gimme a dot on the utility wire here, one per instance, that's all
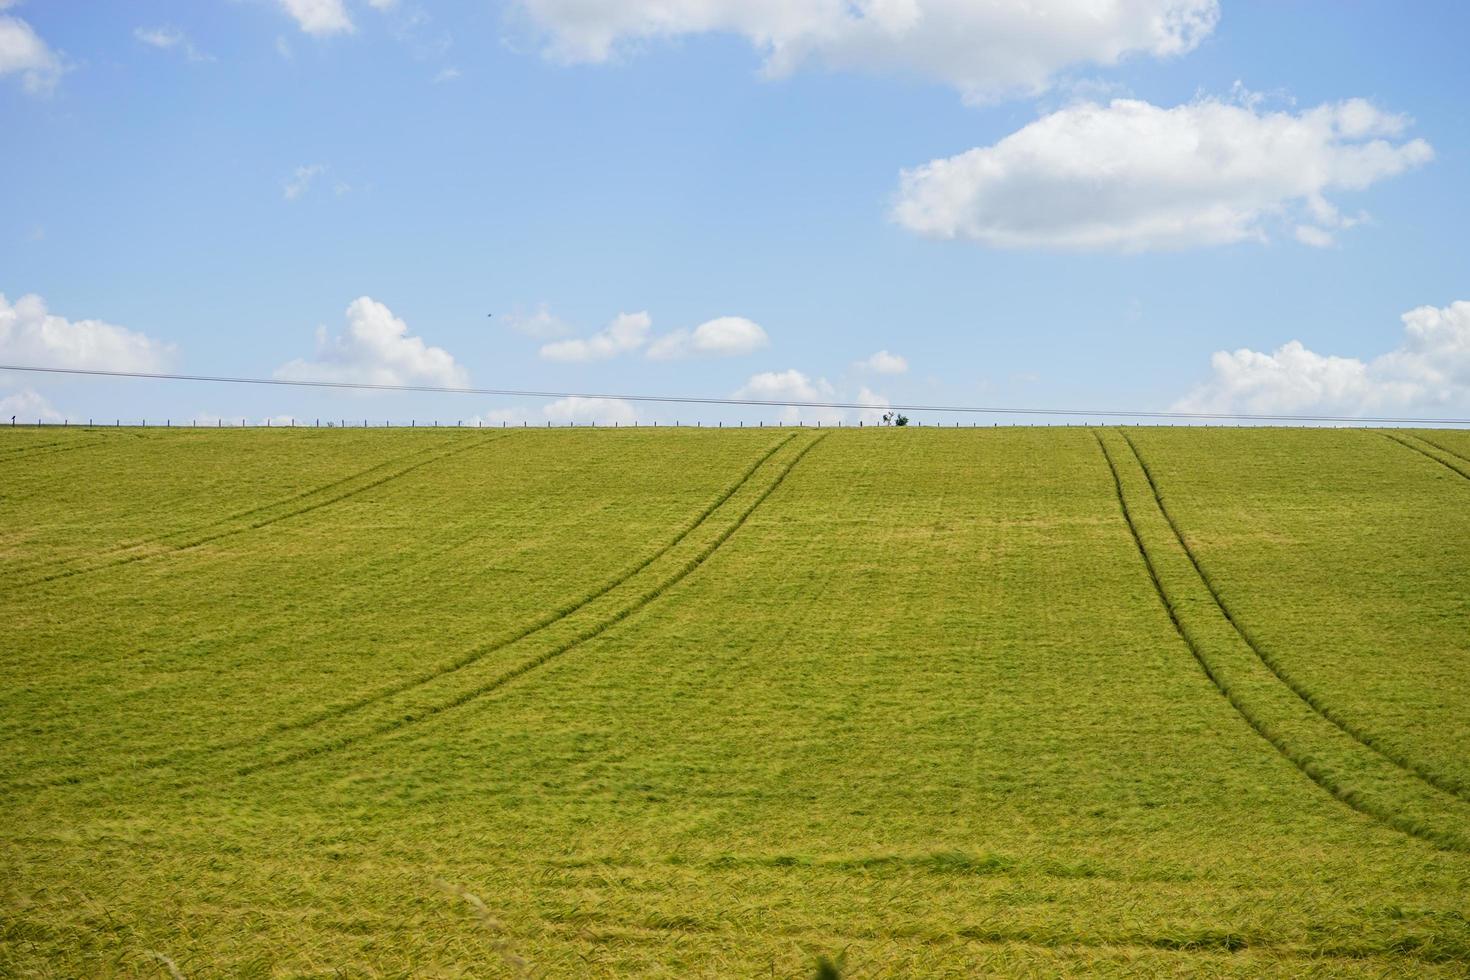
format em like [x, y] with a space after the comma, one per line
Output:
[756, 402]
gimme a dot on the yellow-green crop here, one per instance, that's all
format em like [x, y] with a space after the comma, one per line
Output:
[726, 703]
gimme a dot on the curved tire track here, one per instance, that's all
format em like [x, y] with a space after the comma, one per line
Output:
[136, 543]
[383, 694]
[50, 449]
[592, 631]
[1443, 448]
[1393, 797]
[198, 541]
[1363, 738]
[1452, 467]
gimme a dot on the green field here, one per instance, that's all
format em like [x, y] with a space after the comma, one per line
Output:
[727, 702]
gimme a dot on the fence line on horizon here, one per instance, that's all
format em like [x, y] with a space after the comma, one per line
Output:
[340, 423]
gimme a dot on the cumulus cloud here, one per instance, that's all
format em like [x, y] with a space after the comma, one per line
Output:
[726, 336]
[30, 335]
[1429, 370]
[375, 349]
[1131, 176]
[572, 410]
[983, 49]
[170, 38]
[28, 405]
[884, 363]
[602, 411]
[23, 53]
[541, 324]
[627, 332]
[873, 415]
[319, 17]
[793, 385]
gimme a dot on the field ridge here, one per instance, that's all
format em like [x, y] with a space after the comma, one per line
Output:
[1437, 780]
[1357, 776]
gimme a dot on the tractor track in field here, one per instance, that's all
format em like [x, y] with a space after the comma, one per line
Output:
[22, 450]
[1439, 782]
[197, 541]
[1453, 839]
[592, 631]
[50, 449]
[238, 515]
[1452, 467]
[341, 710]
[1444, 449]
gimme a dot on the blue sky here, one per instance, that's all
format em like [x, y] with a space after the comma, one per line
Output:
[344, 189]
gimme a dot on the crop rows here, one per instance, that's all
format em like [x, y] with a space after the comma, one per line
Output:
[610, 703]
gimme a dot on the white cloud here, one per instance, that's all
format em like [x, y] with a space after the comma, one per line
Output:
[27, 405]
[446, 75]
[166, 38]
[301, 181]
[23, 53]
[603, 411]
[885, 363]
[726, 336]
[320, 17]
[1314, 236]
[793, 385]
[874, 415]
[564, 411]
[983, 49]
[382, 4]
[1430, 369]
[627, 332]
[32, 336]
[542, 324]
[1132, 176]
[375, 349]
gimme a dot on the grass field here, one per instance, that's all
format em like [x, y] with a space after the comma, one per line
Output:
[726, 703]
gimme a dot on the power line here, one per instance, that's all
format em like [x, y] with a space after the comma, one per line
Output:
[747, 402]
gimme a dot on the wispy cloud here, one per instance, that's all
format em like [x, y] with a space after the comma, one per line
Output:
[171, 38]
[301, 181]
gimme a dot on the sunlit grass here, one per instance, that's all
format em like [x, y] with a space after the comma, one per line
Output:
[726, 703]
